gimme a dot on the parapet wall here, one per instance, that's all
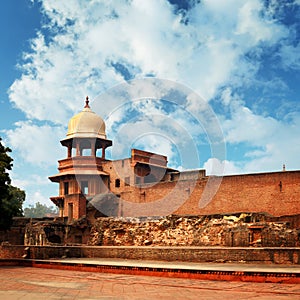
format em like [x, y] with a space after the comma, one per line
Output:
[274, 193]
[190, 254]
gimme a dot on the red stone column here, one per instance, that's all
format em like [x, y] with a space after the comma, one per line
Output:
[69, 151]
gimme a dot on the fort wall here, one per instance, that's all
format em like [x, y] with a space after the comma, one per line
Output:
[275, 193]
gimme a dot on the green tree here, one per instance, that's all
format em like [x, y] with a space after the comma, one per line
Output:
[39, 211]
[11, 198]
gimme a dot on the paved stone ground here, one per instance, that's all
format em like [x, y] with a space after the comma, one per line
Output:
[35, 283]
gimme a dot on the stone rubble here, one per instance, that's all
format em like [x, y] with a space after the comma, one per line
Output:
[189, 231]
[237, 230]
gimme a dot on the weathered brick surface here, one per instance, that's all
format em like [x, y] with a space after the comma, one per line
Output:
[238, 230]
[56, 232]
[275, 193]
[9, 251]
[191, 254]
[15, 235]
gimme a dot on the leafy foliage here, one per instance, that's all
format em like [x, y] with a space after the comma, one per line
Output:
[11, 198]
[39, 211]
[5, 165]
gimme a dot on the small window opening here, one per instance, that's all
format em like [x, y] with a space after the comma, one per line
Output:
[117, 183]
[66, 188]
[85, 187]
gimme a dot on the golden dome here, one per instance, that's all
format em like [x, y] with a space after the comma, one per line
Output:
[86, 124]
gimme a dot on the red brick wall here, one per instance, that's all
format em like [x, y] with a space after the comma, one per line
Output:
[275, 193]
[9, 251]
[79, 205]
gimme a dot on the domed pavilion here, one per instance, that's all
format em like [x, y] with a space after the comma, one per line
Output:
[81, 174]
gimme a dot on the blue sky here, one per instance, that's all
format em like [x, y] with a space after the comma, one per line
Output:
[238, 60]
[19, 21]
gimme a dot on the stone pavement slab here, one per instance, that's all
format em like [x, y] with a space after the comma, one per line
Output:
[39, 283]
[245, 267]
[209, 271]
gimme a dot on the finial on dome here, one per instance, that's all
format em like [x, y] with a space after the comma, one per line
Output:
[87, 102]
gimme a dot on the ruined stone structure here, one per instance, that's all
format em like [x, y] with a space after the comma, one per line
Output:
[109, 207]
[237, 230]
[143, 184]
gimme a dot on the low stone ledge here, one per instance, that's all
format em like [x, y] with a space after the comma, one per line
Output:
[212, 273]
[189, 254]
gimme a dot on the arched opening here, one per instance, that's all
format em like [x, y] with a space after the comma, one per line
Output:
[84, 187]
[86, 152]
[85, 148]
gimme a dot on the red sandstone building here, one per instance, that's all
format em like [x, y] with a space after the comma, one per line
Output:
[143, 185]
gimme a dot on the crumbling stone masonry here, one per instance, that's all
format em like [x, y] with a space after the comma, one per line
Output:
[56, 232]
[237, 230]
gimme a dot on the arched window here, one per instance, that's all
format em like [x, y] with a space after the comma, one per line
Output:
[85, 148]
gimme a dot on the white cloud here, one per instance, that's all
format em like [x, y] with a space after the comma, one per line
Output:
[214, 166]
[37, 145]
[226, 96]
[88, 37]
[153, 132]
[29, 181]
[253, 26]
[280, 147]
[268, 143]
[245, 126]
[206, 49]
[38, 196]
[177, 131]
